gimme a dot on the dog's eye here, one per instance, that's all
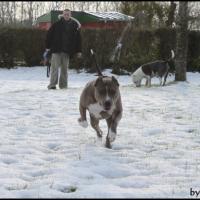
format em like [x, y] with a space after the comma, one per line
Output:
[100, 92]
[113, 92]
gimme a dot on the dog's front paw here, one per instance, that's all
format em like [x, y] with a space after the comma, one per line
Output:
[99, 133]
[107, 144]
[84, 124]
[111, 136]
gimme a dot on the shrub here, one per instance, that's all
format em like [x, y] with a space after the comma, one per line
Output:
[138, 47]
[9, 46]
[32, 42]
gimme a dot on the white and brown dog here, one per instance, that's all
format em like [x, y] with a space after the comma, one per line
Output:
[101, 97]
[150, 70]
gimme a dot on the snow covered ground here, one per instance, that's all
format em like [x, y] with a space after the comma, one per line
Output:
[44, 153]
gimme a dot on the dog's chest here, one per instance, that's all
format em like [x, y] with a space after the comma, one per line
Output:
[97, 111]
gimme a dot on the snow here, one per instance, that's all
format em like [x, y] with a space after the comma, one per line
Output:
[44, 153]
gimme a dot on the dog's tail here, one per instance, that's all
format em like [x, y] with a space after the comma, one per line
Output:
[171, 57]
[96, 65]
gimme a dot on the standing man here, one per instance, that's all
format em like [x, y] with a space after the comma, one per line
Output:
[63, 39]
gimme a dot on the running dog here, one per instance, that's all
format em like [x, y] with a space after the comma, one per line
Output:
[101, 97]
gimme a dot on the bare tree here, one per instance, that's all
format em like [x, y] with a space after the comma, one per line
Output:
[182, 42]
[30, 14]
[9, 13]
[25, 13]
[116, 6]
[170, 20]
[57, 5]
[194, 16]
[14, 13]
[72, 5]
[80, 5]
[97, 5]
[88, 6]
[22, 13]
[51, 6]
[36, 12]
[3, 12]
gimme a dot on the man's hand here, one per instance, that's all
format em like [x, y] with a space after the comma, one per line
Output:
[78, 55]
[48, 49]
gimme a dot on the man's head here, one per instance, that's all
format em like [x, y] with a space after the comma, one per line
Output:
[66, 14]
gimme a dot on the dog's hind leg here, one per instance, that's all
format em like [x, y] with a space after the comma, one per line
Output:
[149, 81]
[160, 81]
[146, 82]
[165, 77]
[95, 125]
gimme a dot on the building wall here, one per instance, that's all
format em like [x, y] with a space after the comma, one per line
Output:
[119, 25]
[44, 25]
[91, 24]
[85, 19]
[102, 24]
[44, 18]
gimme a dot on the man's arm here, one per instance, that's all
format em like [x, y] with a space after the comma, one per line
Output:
[49, 37]
[79, 42]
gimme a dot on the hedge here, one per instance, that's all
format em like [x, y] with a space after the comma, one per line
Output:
[138, 47]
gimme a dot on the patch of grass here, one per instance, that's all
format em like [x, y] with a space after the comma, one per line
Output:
[52, 184]
[69, 190]
[169, 83]
[124, 86]
[178, 117]
[25, 187]
[72, 189]
[157, 85]
[119, 71]
[90, 177]
[152, 85]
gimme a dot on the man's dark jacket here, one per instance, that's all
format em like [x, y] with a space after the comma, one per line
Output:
[54, 37]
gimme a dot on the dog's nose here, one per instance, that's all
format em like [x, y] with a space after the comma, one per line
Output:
[107, 104]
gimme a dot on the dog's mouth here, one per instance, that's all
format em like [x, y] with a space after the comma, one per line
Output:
[106, 106]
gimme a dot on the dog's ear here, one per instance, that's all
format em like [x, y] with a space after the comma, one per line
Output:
[98, 80]
[115, 80]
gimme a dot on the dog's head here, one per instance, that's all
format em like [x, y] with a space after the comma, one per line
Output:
[106, 91]
[136, 80]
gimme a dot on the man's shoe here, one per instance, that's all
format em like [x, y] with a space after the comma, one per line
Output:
[52, 88]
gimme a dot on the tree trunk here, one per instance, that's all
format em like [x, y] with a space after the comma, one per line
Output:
[182, 42]
[170, 20]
